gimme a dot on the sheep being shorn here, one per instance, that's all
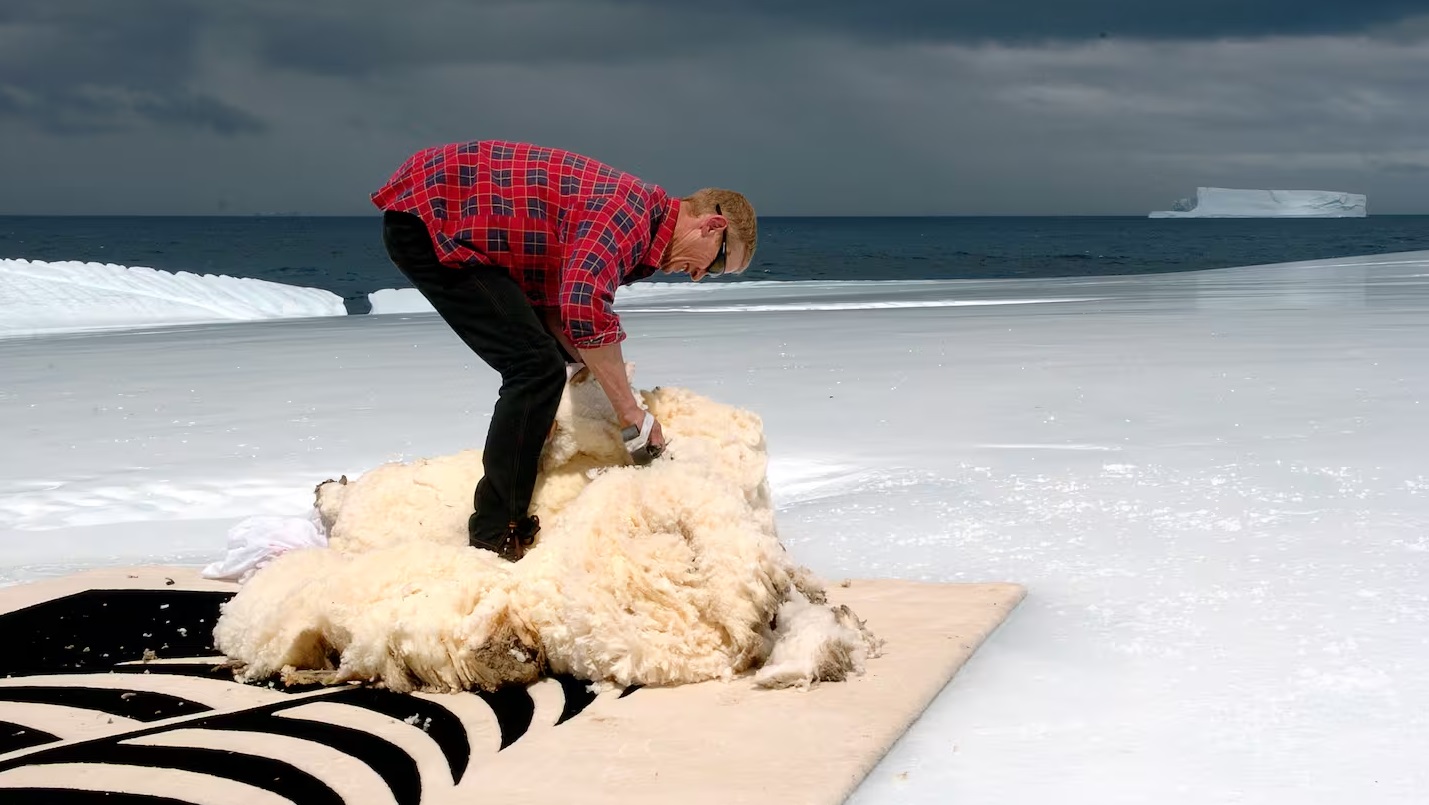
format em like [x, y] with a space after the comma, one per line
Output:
[659, 575]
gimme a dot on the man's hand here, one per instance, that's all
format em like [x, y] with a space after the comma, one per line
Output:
[608, 366]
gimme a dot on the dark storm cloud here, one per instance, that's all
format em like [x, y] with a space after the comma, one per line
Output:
[894, 107]
[89, 66]
[151, 43]
[1023, 21]
[99, 110]
[361, 37]
[84, 65]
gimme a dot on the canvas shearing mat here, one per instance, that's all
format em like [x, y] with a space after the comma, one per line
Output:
[110, 692]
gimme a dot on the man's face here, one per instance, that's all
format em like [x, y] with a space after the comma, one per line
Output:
[706, 250]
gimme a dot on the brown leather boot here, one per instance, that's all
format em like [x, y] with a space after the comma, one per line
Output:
[510, 545]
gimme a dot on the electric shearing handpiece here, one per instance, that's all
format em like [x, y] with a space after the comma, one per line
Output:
[637, 441]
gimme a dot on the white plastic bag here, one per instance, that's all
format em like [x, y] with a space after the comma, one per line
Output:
[257, 541]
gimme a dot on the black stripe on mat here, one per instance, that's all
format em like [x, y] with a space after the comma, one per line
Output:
[439, 723]
[14, 737]
[514, 709]
[76, 796]
[391, 762]
[277, 776]
[140, 705]
[94, 630]
[578, 697]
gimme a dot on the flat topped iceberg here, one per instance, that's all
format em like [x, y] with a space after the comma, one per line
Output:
[1221, 202]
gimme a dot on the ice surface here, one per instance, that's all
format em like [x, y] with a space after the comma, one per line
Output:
[38, 297]
[759, 296]
[1212, 483]
[1221, 202]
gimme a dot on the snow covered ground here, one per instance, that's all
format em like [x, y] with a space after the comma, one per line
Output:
[1212, 484]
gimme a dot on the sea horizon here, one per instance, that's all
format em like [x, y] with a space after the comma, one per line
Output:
[762, 216]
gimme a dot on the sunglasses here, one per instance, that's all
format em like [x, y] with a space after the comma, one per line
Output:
[717, 265]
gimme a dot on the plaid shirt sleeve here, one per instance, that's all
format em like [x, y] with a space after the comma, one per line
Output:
[610, 239]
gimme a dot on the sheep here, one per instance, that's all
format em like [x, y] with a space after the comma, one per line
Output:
[665, 574]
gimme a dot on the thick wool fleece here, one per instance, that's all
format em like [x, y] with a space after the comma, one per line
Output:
[658, 575]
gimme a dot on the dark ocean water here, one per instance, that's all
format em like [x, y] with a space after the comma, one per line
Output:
[344, 255]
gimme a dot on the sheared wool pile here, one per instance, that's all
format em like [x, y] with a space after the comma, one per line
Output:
[660, 575]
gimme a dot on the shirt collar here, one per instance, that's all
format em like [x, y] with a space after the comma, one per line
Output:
[664, 233]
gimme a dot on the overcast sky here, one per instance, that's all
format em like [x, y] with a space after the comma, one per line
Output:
[836, 107]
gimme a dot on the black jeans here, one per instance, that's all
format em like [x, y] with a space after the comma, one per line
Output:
[491, 314]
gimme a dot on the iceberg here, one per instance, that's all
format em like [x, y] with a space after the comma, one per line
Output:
[38, 298]
[1222, 202]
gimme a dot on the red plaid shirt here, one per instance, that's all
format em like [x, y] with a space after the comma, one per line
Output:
[567, 228]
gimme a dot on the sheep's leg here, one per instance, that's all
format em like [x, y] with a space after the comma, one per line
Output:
[295, 676]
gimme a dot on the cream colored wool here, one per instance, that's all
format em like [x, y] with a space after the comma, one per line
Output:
[816, 643]
[659, 575]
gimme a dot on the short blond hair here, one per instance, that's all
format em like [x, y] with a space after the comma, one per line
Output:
[743, 223]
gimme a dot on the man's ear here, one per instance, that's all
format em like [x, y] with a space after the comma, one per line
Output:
[714, 223]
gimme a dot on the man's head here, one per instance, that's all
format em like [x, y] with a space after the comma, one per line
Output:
[716, 233]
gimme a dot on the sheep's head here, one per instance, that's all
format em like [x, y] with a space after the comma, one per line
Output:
[586, 424]
[327, 499]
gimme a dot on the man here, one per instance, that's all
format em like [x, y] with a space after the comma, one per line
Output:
[520, 249]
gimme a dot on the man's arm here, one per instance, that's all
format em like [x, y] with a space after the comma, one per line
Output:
[608, 365]
[606, 242]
